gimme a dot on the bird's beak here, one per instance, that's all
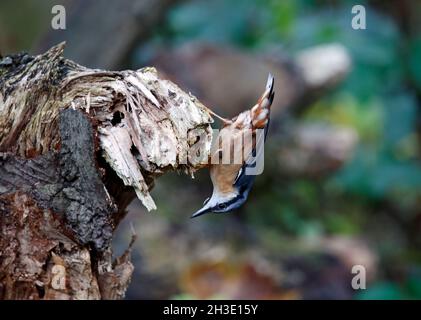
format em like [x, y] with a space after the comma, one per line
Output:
[203, 210]
[270, 81]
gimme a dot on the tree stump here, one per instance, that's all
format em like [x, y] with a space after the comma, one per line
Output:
[76, 146]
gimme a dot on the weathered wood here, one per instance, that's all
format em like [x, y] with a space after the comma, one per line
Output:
[76, 145]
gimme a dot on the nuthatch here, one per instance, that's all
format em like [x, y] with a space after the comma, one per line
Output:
[231, 183]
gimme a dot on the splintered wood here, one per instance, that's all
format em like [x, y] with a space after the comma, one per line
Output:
[145, 125]
[148, 131]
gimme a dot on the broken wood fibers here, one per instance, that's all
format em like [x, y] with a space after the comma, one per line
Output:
[74, 144]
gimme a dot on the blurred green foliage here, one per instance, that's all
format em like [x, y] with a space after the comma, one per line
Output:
[23, 21]
[379, 99]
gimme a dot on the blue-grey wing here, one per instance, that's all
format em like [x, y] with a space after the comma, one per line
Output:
[244, 181]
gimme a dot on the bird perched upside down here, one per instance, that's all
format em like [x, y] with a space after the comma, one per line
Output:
[242, 141]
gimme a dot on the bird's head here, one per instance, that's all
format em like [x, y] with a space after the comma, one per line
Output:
[221, 203]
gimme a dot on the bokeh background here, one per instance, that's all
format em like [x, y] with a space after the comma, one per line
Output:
[342, 179]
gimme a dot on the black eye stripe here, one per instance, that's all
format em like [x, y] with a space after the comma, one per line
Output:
[227, 204]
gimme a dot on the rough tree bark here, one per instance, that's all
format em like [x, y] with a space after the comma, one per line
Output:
[76, 146]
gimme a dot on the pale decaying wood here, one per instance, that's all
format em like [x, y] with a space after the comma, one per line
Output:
[73, 143]
[152, 136]
[157, 118]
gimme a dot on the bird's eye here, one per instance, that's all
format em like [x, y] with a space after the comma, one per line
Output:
[222, 206]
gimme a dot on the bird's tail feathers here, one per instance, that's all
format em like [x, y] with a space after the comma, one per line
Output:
[260, 113]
